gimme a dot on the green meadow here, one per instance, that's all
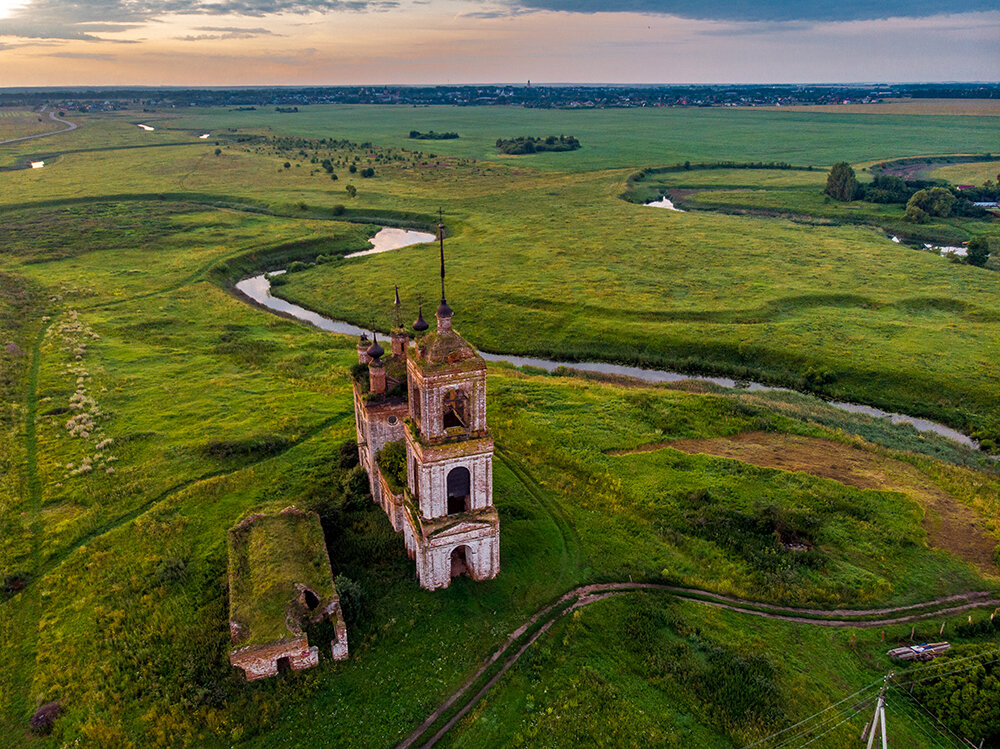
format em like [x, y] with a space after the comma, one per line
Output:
[148, 408]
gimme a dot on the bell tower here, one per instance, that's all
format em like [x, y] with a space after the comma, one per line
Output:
[449, 455]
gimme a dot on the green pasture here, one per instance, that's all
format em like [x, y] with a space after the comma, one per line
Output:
[968, 174]
[619, 138]
[147, 409]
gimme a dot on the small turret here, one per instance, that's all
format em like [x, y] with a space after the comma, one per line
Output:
[376, 367]
[363, 345]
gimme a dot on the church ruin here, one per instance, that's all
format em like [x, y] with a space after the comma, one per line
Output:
[279, 579]
[422, 437]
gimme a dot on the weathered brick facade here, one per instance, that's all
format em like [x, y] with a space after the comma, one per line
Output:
[446, 513]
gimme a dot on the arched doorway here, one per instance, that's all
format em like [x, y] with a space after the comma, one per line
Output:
[460, 561]
[459, 490]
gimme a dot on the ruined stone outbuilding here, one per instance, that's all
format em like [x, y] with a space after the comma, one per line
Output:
[279, 579]
[430, 398]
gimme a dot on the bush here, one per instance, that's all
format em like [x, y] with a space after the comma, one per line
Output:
[979, 251]
[169, 570]
[915, 215]
[44, 718]
[355, 486]
[352, 598]
[367, 172]
[392, 465]
[15, 582]
[965, 700]
[337, 210]
[347, 455]
[936, 201]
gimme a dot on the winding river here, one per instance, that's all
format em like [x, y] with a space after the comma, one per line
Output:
[258, 289]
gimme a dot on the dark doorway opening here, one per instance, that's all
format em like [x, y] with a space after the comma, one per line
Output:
[312, 600]
[459, 490]
[284, 665]
[459, 562]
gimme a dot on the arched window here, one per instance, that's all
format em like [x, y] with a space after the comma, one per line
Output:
[454, 409]
[459, 483]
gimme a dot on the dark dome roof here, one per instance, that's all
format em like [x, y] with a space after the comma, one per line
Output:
[375, 351]
[421, 324]
[444, 310]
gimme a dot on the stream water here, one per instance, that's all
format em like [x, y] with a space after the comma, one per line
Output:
[258, 288]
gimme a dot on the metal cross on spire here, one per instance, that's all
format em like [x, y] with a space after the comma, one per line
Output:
[441, 239]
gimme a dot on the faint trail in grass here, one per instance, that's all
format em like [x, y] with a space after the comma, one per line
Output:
[52, 116]
[48, 566]
[584, 595]
[31, 600]
[570, 537]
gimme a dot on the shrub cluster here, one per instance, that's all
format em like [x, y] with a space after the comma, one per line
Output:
[528, 144]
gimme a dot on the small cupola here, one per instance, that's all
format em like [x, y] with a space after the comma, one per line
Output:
[421, 324]
[375, 351]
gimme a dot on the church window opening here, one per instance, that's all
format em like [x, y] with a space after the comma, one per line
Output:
[454, 409]
[459, 484]
[459, 561]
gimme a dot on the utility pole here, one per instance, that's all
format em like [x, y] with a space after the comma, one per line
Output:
[879, 717]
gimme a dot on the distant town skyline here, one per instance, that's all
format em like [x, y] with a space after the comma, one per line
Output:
[338, 42]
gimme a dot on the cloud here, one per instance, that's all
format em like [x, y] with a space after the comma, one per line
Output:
[82, 56]
[71, 19]
[226, 32]
[781, 10]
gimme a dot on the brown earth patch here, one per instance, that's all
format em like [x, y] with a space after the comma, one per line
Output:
[950, 525]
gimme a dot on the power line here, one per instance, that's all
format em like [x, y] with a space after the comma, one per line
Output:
[947, 673]
[920, 705]
[817, 738]
[814, 715]
[833, 716]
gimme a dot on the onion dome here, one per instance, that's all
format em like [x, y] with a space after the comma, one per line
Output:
[421, 324]
[375, 351]
[443, 309]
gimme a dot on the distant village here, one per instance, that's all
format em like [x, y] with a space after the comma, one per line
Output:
[522, 94]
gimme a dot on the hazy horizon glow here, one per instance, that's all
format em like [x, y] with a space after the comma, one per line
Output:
[299, 42]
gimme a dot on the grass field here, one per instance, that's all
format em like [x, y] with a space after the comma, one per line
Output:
[17, 123]
[150, 409]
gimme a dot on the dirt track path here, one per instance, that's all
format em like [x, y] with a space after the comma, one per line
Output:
[52, 116]
[587, 594]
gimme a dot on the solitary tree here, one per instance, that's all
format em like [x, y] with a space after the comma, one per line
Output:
[841, 184]
[979, 251]
[351, 190]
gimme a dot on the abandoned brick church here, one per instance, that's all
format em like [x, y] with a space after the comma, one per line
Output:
[423, 438]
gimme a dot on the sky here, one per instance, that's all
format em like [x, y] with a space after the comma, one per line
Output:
[334, 42]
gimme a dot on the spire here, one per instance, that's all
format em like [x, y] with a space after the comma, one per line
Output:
[397, 310]
[443, 311]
